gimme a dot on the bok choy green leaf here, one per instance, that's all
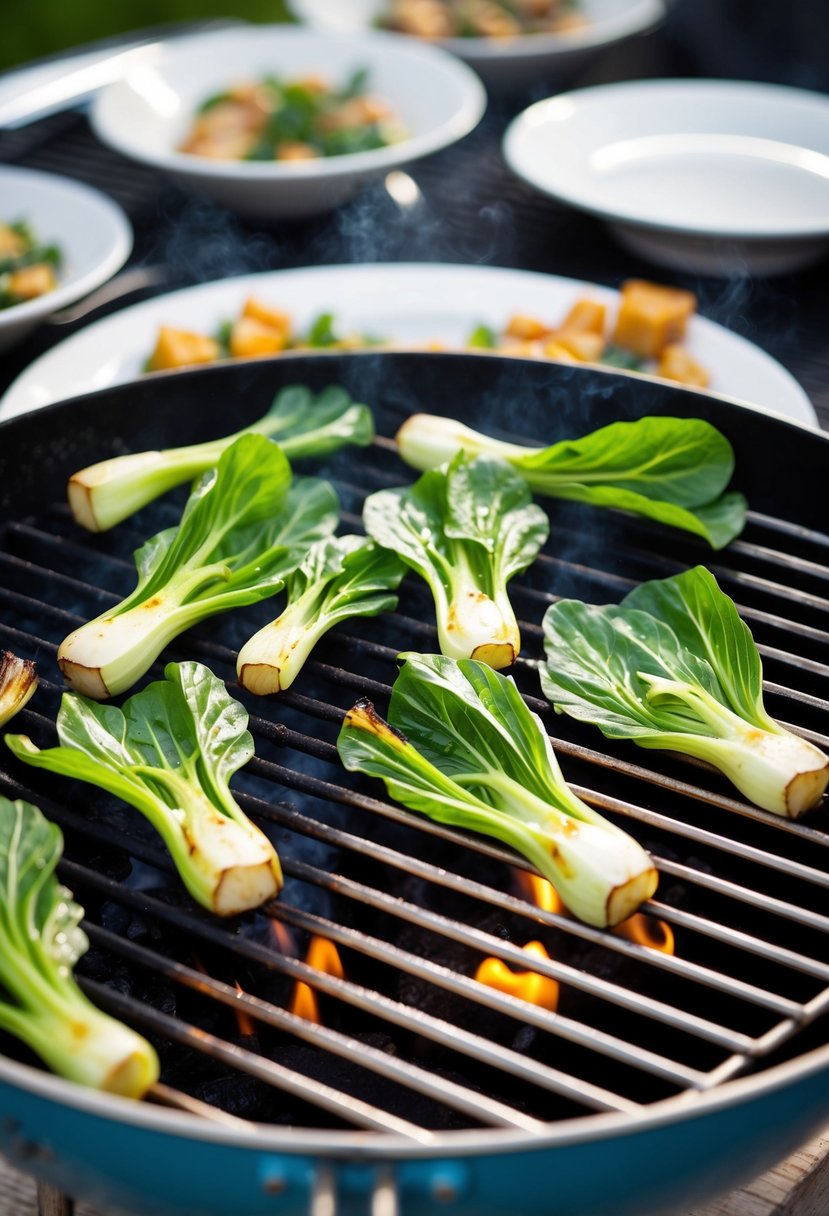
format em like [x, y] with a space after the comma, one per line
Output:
[462, 747]
[340, 577]
[674, 666]
[303, 425]
[40, 942]
[466, 529]
[673, 470]
[170, 753]
[244, 528]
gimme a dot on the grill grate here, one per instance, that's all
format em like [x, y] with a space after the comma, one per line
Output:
[411, 1043]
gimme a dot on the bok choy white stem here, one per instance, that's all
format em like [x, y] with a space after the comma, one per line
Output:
[40, 942]
[18, 681]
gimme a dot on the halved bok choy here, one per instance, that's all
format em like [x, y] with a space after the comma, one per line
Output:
[40, 942]
[462, 747]
[170, 753]
[339, 578]
[673, 666]
[244, 529]
[466, 529]
[302, 423]
[18, 681]
[673, 470]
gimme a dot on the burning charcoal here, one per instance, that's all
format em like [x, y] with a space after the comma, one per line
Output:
[238, 1094]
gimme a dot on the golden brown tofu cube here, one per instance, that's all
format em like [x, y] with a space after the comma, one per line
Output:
[586, 316]
[586, 347]
[651, 317]
[273, 317]
[526, 328]
[178, 348]
[554, 350]
[32, 281]
[12, 243]
[677, 364]
[249, 338]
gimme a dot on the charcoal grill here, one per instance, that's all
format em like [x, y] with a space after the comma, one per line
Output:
[661, 1081]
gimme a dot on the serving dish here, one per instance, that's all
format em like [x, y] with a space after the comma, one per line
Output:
[716, 177]
[92, 232]
[666, 1157]
[146, 115]
[409, 302]
[536, 60]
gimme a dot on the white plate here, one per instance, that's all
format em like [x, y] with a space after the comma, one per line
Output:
[411, 303]
[147, 114]
[509, 63]
[711, 176]
[92, 232]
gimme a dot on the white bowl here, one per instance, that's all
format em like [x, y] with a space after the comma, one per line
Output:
[715, 177]
[147, 114]
[506, 64]
[93, 234]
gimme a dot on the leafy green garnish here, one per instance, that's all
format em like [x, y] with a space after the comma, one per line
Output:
[462, 747]
[673, 666]
[170, 753]
[244, 528]
[482, 337]
[40, 942]
[673, 470]
[341, 577]
[466, 529]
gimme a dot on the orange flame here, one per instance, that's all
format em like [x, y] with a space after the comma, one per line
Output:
[647, 931]
[528, 985]
[282, 938]
[322, 956]
[243, 1019]
[542, 893]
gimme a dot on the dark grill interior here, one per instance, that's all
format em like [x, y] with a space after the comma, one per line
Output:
[410, 1042]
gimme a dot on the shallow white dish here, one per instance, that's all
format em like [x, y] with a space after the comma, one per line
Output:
[504, 64]
[147, 114]
[92, 232]
[412, 303]
[716, 177]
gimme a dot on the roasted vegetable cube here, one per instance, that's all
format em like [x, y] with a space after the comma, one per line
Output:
[651, 317]
[32, 281]
[586, 316]
[249, 338]
[677, 364]
[273, 317]
[179, 348]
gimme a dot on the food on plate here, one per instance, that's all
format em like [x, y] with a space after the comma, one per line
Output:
[462, 747]
[341, 577]
[170, 753]
[674, 666]
[244, 528]
[40, 942]
[27, 268]
[302, 423]
[292, 120]
[482, 18]
[652, 316]
[466, 528]
[673, 470]
[18, 681]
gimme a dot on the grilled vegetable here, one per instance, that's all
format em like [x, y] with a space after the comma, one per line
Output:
[673, 666]
[171, 753]
[462, 747]
[341, 577]
[27, 268]
[40, 942]
[466, 529]
[244, 528]
[303, 424]
[673, 470]
[18, 680]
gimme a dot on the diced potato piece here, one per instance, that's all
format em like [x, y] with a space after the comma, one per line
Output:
[586, 316]
[651, 317]
[178, 348]
[294, 151]
[355, 112]
[525, 350]
[554, 350]
[273, 317]
[249, 338]
[527, 328]
[32, 281]
[586, 347]
[677, 364]
[12, 243]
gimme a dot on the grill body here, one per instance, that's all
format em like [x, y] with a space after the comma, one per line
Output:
[661, 1159]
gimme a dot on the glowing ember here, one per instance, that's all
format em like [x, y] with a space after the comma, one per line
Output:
[526, 985]
[322, 956]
